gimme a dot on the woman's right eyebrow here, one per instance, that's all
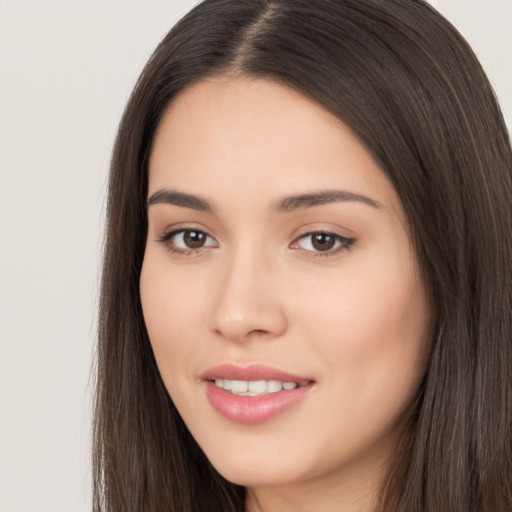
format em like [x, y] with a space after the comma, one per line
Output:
[180, 199]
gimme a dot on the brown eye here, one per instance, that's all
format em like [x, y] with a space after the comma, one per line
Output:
[321, 242]
[187, 240]
[194, 239]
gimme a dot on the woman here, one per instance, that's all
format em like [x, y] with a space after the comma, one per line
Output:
[306, 299]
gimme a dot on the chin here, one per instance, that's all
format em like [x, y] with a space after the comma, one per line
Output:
[256, 477]
[255, 470]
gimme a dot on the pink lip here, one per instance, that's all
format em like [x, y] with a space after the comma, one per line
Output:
[252, 372]
[253, 409]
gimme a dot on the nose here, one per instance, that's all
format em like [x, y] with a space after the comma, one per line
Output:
[248, 303]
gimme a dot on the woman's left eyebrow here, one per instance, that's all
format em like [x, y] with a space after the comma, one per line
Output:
[310, 200]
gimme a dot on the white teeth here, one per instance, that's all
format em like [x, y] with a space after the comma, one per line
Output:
[274, 385]
[239, 386]
[255, 387]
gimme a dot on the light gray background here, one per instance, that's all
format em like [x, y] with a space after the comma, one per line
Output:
[66, 70]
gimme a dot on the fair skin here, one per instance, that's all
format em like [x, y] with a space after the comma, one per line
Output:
[324, 287]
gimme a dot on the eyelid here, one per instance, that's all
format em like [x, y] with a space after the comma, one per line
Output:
[343, 243]
[169, 234]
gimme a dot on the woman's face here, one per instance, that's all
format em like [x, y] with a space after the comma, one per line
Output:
[277, 252]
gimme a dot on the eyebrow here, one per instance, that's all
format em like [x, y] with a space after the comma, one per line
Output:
[285, 205]
[180, 199]
[303, 201]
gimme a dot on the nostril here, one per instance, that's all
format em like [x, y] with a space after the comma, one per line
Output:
[259, 332]
[251, 315]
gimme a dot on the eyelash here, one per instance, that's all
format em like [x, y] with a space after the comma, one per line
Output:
[167, 238]
[344, 243]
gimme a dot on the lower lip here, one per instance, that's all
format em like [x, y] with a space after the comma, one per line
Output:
[253, 409]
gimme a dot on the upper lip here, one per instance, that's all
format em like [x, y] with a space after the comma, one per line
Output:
[251, 373]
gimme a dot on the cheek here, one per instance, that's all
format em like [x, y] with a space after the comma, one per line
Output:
[172, 308]
[354, 303]
[372, 325]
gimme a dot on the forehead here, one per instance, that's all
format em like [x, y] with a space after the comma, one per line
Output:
[254, 135]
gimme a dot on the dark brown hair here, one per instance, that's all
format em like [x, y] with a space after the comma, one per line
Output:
[413, 92]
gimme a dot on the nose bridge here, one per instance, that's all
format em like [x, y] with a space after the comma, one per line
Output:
[246, 300]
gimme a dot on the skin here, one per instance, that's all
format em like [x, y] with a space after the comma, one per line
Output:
[355, 318]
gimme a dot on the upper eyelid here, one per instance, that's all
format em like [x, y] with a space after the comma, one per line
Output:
[169, 233]
[166, 239]
[323, 232]
[329, 233]
[331, 228]
[176, 228]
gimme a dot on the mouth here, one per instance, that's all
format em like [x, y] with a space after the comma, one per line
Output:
[254, 394]
[257, 387]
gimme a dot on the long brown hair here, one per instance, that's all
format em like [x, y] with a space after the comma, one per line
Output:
[412, 90]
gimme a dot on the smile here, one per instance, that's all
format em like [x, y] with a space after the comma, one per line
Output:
[256, 387]
[253, 394]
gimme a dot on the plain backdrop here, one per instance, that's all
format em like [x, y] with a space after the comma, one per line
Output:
[66, 70]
